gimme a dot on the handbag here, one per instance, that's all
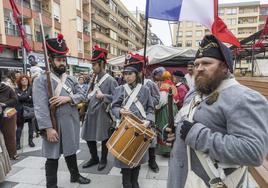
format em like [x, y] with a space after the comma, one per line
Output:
[28, 112]
[9, 112]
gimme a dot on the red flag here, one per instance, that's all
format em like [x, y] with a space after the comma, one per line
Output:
[220, 30]
[16, 12]
[259, 43]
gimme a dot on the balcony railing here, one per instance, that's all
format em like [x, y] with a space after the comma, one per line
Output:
[12, 32]
[15, 33]
[38, 37]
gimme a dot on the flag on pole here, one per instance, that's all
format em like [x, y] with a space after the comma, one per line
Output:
[16, 14]
[204, 12]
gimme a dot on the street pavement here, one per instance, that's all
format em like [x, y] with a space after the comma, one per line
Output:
[29, 170]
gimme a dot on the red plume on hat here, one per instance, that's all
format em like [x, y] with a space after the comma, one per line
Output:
[99, 53]
[60, 36]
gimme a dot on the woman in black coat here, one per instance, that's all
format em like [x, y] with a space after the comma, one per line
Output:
[24, 93]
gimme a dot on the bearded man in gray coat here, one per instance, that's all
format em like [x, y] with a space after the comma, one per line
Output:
[223, 123]
[98, 119]
[67, 93]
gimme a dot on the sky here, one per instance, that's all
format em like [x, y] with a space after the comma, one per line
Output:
[161, 28]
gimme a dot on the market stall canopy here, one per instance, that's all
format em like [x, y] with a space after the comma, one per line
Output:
[158, 54]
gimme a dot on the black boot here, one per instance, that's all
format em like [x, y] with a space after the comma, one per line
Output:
[134, 177]
[152, 163]
[30, 142]
[104, 153]
[126, 177]
[71, 162]
[92, 145]
[51, 173]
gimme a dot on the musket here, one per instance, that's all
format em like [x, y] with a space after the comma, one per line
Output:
[48, 74]
[170, 111]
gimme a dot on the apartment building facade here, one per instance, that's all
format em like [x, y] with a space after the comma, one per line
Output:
[115, 28]
[242, 19]
[58, 17]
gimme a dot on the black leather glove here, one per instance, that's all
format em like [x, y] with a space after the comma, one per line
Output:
[185, 128]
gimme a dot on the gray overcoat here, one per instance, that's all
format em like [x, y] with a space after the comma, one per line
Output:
[67, 117]
[98, 120]
[120, 97]
[155, 95]
[233, 130]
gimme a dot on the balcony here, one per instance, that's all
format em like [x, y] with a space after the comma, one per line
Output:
[86, 37]
[86, 15]
[248, 14]
[101, 37]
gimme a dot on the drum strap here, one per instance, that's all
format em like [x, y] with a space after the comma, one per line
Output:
[133, 98]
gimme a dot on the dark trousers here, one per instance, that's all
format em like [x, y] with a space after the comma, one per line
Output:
[20, 125]
[130, 177]
[51, 167]
[92, 145]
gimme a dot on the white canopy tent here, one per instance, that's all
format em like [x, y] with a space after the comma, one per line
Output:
[157, 54]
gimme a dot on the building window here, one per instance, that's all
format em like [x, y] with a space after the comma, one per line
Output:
[221, 11]
[233, 31]
[131, 35]
[231, 21]
[198, 33]
[79, 45]
[78, 4]
[79, 25]
[180, 34]
[56, 11]
[113, 50]
[113, 6]
[264, 11]
[189, 24]
[113, 35]
[179, 44]
[189, 33]
[198, 25]
[37, 5]
[231, 11]
[197, 43]
[188, 43]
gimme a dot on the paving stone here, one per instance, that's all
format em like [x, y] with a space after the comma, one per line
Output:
[28, 176]
[7, 184]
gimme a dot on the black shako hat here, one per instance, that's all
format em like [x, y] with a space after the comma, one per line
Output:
[99, 53]
[134, 63]
[57, 47]
[211, 47]
[178, 74]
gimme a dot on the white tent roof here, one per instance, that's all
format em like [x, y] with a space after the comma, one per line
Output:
[157, 54]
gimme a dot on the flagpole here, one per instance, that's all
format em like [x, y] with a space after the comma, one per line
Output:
[24, 55]
[145, 41]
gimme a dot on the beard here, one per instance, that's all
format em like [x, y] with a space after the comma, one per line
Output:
[59, 70]
[206, 84]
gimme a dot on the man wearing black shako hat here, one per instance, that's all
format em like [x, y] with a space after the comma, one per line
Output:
[222, 125]
[67, 93]
[98, 118]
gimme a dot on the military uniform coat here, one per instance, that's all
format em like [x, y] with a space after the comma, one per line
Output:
[120, 98]
[67, 117]
[98, 120]
[155, 95]
[232, 130]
